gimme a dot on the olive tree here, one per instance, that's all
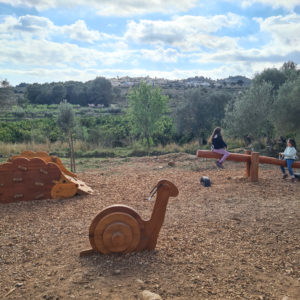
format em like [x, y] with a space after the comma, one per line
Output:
[250, 113]
[286, 110]
[272, 76]
[66, 123]
[200, 112]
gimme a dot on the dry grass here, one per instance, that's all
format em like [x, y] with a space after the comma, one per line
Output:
[10, 149]
[7, 149]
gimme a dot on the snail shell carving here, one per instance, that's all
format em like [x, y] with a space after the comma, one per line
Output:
[120, 229]
[115, 229]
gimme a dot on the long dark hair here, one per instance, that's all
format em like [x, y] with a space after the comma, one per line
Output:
[292, 142]
[217, 131]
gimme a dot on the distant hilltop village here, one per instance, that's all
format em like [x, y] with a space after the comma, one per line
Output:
[194, 82]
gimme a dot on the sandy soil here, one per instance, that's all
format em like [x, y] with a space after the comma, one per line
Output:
[233, 240]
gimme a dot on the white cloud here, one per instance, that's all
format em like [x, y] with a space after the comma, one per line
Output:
[39, 5]
[35, 26]
[161, 55]
[29, 41]
[30, 44]
[287, 4]
[49, 54]
[109, 7]
[283, 45]
[236, 55]
[79, 31]
[207, 42]
[243, 61]
[188, 32]
[26, 25]
[284, 31]
[138, 7]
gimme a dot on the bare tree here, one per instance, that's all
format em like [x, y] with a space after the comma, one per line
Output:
[66, 122]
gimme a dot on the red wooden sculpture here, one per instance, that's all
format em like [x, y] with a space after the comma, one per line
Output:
[23, 179]
[119, 228]
[45, 157]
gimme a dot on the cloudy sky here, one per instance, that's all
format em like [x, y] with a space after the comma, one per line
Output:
[61, 40]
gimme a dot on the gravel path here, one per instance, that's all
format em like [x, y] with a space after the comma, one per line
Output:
[233, 240]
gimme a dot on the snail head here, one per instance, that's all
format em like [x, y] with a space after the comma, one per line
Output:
[173, 189]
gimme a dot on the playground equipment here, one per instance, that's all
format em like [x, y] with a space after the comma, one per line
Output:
[252, 160]
[119, 228]
[45, 157]
[34, 178]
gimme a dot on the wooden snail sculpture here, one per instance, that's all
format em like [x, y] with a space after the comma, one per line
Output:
[119, 228]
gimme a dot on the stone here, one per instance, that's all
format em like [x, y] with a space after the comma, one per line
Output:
[140, 281]
[117, 272]
[147, 295]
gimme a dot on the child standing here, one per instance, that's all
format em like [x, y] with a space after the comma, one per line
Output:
[219, 146]
[289, 155]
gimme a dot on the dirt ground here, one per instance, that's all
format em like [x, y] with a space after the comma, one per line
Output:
[233, 240]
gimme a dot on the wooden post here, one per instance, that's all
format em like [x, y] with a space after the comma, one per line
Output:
[248, 164]
[254, 166]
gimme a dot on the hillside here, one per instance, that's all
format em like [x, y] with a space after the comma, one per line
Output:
[115, 89]
[176, 89]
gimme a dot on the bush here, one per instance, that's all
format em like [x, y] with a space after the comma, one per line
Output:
[138, 153]
[99, 154]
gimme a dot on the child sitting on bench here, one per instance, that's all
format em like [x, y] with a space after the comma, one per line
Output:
[289, 155]
[219, 146]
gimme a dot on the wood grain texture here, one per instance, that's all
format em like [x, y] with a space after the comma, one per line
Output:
[254, 166]
[117, 232]
[120, 229]
[46, 157]
[248, 164]
[24, 180]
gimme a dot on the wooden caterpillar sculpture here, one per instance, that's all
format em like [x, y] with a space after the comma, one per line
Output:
[23, 179]
[45, 157]
[119, 228]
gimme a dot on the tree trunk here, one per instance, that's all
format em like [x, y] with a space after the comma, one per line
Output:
[148, 142]
[269, 142]
[72, 159]
[72, 153]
